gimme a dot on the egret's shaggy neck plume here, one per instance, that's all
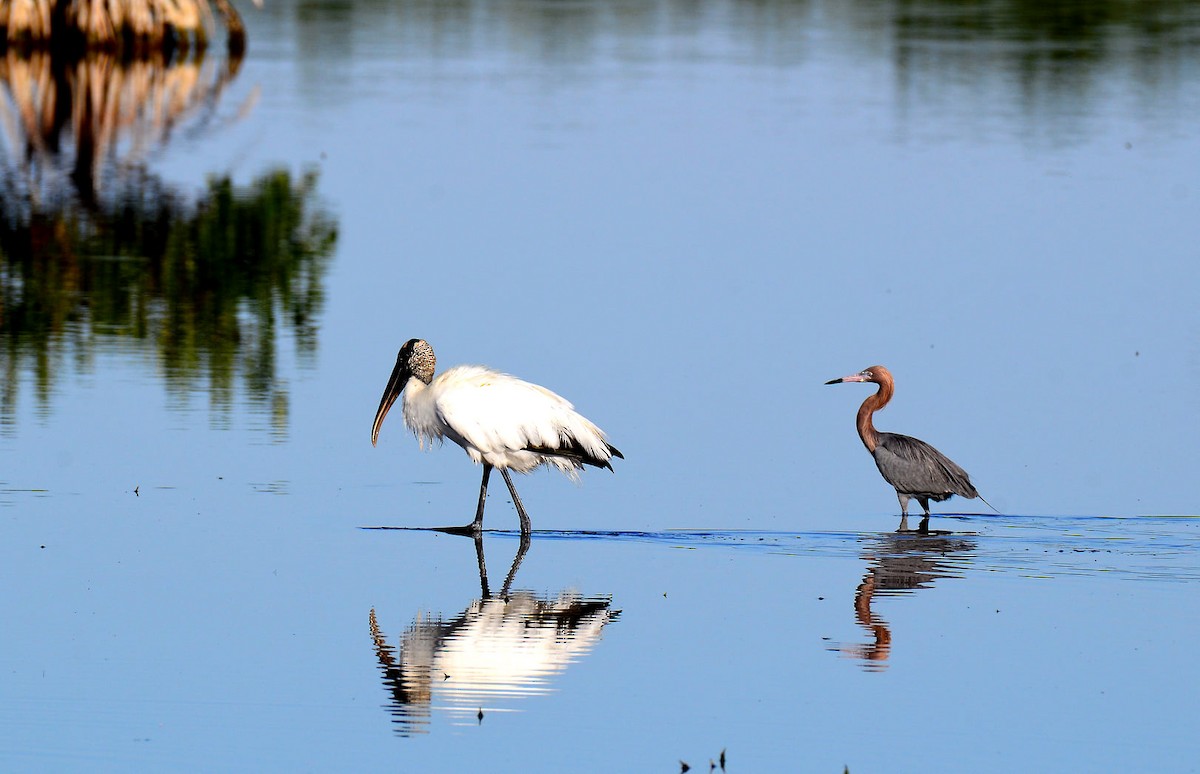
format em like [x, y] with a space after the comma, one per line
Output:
[866, 428]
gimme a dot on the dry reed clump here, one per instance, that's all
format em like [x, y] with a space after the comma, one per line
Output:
[130, 26]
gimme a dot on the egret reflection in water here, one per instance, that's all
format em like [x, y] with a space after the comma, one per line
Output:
[899, 564]
[500, 649]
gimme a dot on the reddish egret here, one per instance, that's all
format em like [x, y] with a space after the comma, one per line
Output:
[912, 466]
[497, 419]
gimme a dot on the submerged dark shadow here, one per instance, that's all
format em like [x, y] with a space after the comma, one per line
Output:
[554, 534]
[823, 542]
[899, 564]
[498, 650]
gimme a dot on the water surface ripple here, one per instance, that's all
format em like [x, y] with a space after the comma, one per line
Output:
[1157, 548]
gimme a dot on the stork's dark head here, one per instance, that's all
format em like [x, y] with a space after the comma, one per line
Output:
[418, 358]
[877, 374]
[415, 360]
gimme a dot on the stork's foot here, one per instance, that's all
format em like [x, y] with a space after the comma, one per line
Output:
[923, 527]
[468, 530]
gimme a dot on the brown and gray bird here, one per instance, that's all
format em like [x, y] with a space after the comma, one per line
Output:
[912, 466]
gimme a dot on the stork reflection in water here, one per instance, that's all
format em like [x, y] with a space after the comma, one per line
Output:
[499, 649]
[912, 466]
[499, 420]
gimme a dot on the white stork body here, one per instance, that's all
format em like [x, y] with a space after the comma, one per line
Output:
[498, 650]
[499, 420]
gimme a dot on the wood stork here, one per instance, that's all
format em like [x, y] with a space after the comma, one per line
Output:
[499, 649]
[494, 653]
[912, 466]
[498, 419]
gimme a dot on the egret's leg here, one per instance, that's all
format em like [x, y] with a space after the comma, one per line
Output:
[923, 527]
[903, 498]
[525, 528]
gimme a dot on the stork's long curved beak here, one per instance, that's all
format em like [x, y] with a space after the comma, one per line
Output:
[395, 386]
[851, 378]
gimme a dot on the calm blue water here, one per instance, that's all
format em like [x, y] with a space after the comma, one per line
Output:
[685, 217]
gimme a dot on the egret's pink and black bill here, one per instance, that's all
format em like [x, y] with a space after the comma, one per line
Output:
[394, 387]
[861, 376]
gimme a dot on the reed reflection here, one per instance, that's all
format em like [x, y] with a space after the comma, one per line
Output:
[899, 564]
[83, 119]
[500, 649]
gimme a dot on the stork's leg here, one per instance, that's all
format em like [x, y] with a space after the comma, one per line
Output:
[483, 581]
[525, 528]
[475, 527]
[512, 571]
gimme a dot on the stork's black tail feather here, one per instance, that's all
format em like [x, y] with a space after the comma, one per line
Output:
[572, 450]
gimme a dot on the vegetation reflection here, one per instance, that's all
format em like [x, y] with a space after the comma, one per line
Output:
[899, 564]
[98, 252]
[499, 649]
[1036, 37]
[207, 286]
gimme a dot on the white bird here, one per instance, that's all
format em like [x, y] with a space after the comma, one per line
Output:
[498, 419]
[498, 650]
